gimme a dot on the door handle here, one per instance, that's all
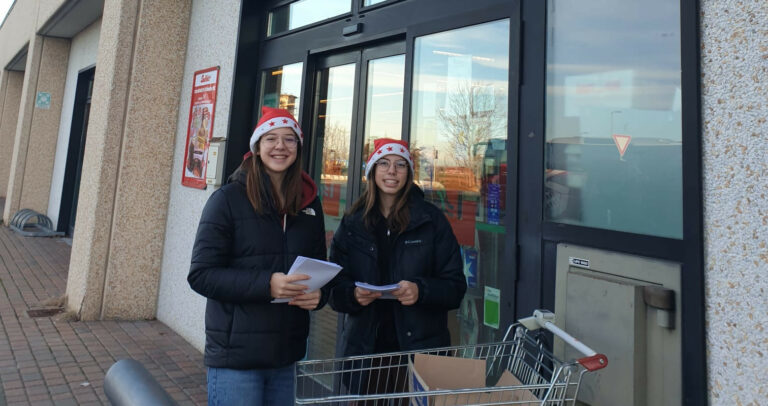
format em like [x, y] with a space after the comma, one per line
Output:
[663, 300]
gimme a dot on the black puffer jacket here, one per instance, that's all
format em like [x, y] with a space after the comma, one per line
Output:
[426, 253]
[236, 252]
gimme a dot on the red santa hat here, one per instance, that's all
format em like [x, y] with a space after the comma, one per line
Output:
[272, 118]
[388, 146]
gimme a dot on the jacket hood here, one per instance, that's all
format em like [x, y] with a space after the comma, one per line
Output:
[308, 190]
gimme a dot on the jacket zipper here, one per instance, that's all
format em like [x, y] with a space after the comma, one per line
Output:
[285, 243]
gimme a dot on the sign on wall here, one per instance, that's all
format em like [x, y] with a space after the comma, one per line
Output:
[200, 127]
[43, 100]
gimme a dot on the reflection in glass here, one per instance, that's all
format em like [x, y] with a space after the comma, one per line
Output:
[613, 127]
[281, 88]
[304, 12]
[372, 2]
[332, 134]
[384, 101]
[458, 139]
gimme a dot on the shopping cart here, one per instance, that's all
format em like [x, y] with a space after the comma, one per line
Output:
[539, 378]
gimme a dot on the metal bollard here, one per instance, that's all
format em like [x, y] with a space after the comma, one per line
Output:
[128, 383]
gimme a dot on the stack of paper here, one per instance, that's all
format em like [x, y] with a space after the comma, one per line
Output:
[319, 272]
[384, 289]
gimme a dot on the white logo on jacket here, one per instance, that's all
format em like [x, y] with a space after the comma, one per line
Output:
[309, 211]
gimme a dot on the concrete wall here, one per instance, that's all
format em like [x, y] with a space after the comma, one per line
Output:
[18, 28]
[82, 54]
[123, 201]
[23, 21]
[13, 82]
[44, 129]
[212, 41]
[37, 126]
[734, 49]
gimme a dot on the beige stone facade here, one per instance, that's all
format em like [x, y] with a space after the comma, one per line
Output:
[12, 82]
[126, 164]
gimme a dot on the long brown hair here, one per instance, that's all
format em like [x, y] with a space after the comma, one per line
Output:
[262, 193]
[399, 215]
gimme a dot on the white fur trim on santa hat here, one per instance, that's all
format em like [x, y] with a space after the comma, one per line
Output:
[388, 149]
[269, 125]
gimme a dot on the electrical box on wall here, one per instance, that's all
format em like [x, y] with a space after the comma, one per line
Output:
[215, 170]
[628, 308]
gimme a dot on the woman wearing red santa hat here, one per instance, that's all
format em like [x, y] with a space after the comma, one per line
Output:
[391, 235]
[250, 232]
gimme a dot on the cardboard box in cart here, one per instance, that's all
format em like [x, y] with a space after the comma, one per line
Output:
[433, 372]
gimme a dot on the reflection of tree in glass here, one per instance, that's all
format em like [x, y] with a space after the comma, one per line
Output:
[471, 117]
[335, 149]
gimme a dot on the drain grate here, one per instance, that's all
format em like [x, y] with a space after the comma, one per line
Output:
[46, 311]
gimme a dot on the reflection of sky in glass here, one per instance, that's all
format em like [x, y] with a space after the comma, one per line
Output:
[613, 67]
[281, 87]
[372, 2]
[291, 86]
[384, 101]
[341, 81]
[450, 64]
[306, 12]
[384, 97]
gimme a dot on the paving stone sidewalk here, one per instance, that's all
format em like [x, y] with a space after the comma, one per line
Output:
[45, 361]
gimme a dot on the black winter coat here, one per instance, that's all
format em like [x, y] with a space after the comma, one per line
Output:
[236, 252]
[425, 253]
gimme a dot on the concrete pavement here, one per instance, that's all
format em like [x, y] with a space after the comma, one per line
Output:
[48, 360]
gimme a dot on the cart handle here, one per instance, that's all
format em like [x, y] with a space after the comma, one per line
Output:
[545, 319]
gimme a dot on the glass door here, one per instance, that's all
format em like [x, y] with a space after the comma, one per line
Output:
[358, 97]
[460, 133]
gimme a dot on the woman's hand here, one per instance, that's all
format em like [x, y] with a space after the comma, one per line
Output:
[281, 286]
[407, 293]
[307, 301]
[365, 296]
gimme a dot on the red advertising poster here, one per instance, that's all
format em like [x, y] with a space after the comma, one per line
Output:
[200, 127]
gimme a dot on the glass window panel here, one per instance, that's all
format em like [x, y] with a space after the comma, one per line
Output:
[372, 2]
[458, 138]
[333, 134]
[305, 12]
[281, 88]
[613, 121]
[384, 101]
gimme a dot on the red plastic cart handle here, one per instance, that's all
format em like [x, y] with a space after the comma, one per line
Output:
[595, 362]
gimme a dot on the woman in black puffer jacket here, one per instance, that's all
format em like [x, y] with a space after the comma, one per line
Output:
[250, 232]
[391, 235]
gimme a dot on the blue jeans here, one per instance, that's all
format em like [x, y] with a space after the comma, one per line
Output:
[254, 387]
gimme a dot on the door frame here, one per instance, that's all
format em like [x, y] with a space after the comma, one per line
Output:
[75, 150]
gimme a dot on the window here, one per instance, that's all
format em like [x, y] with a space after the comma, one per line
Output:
[613, 156]
[305, 12]
[281, 88]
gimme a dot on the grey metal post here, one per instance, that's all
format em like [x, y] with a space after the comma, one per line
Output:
[128, 383]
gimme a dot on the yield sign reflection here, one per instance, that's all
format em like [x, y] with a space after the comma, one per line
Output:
[622, 142]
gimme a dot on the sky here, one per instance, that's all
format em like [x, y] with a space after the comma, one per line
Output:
[4, 6]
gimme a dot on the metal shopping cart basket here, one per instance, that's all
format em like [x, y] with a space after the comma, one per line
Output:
[517, 371]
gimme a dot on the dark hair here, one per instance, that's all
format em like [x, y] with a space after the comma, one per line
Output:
[398, 217]
[262, 193]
